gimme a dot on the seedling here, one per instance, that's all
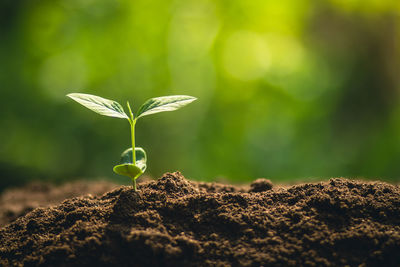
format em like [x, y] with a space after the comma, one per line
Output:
[132, 164]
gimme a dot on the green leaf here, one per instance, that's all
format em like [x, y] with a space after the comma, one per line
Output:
[100, 105]
[126, 166]
[164, 103]
[141, 157]
[129, 170]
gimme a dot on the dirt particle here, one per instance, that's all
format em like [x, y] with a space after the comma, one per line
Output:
[260, 185]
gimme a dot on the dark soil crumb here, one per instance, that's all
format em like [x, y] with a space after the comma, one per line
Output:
[260, 185]
[174, 222]
[17, 202]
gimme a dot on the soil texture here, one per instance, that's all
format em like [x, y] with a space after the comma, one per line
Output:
[16, 202]
[175, 222]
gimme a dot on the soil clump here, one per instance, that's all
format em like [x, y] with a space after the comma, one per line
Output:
[176, 222]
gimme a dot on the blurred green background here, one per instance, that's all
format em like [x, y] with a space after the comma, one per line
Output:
[287, 90]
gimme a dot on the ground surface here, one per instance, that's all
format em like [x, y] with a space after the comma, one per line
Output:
[17, 202]
[174, 222]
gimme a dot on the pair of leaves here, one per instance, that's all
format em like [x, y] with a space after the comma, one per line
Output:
[127, 167]
[112, 108]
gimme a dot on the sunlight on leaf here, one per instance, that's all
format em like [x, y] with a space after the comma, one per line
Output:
[164, 103]
[100, 105]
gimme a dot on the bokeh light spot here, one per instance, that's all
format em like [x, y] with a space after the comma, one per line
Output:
[63, 74]
[246, 56]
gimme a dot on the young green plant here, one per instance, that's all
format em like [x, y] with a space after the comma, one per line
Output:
[132, 164]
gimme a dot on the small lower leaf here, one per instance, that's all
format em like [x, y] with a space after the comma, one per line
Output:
[129, 170]
[126, 166]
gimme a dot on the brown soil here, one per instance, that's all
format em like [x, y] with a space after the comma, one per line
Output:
[17, 202]
[174, 222]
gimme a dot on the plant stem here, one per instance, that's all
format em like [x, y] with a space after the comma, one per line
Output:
[133, 142]
[133, 150]
[134, 184]
[132, 121]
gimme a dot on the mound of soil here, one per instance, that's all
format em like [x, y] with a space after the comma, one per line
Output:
[175, 222]
[17, 202]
